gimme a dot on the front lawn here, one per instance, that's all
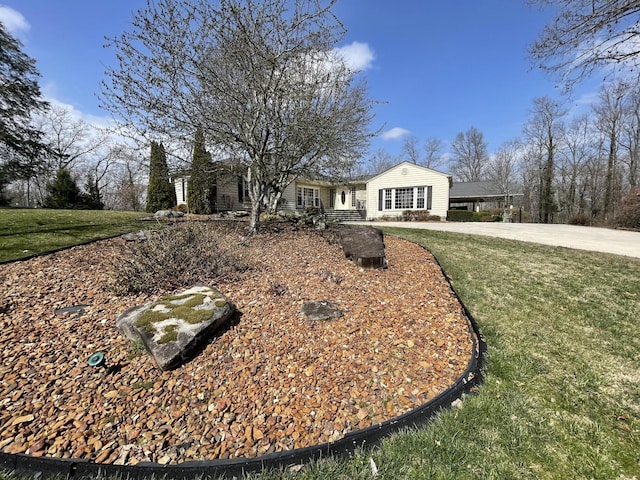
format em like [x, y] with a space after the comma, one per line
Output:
[25, 232]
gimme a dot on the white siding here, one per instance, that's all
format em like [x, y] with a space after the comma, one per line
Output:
[288, 200]
[406, 175]
[228, 194]
[181, 185]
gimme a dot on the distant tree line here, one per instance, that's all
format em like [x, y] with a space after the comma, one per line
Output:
[47, 151]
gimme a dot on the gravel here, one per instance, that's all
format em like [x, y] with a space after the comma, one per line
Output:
[274, 381]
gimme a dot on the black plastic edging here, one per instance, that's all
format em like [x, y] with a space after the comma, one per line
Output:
[342, 448]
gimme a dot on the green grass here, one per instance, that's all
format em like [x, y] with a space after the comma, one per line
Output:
[561, 398]
[28, 232]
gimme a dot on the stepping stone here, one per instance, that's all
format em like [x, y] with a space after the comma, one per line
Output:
[321, 311]
[174, 328]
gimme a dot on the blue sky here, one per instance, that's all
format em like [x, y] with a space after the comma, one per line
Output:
[440, 67]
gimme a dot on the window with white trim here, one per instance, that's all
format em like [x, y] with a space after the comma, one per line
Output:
[308, 197]
[387, 198]
[404, 198]
[420, 198]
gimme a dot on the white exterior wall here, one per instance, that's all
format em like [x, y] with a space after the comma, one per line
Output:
[288, 200]
[227, 195]
[407, 175]
[181, 184]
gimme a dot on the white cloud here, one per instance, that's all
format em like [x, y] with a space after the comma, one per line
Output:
[50, 94]
[13, 20]
[357, 55]
[395, 133]
[587, 99]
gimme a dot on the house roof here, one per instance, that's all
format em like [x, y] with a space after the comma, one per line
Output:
[480, 190]
[413, 165]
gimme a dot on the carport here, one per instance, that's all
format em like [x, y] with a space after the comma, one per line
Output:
[482, 195]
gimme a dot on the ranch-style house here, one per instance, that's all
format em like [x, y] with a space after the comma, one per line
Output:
[405, 186]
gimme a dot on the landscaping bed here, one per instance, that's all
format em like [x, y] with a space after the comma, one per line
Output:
[274, 381]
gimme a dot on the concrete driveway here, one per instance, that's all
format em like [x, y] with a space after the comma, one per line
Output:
[618, 242]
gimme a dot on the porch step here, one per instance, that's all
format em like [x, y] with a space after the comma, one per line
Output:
[338, 216]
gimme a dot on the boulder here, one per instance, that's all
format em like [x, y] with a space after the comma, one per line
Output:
[364, 246]
[168, 214]
[141, 236]
[321, 311]
[174, 328]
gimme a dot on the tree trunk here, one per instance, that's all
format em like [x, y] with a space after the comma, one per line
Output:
[274, 199]
[609, 186]
[256, 193]
[254, 222]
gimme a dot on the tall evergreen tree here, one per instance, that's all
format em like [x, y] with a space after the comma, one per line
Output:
[20, 97]
[63, 192]
[201, 196]
[160, 193]
[92, 198]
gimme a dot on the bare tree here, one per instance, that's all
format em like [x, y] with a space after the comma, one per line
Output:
[105, 168]
[411, 150]
[586, 35]
[530, 176]
[502, 168]
[630, 140]
[262, 78]
[470, 155]
[433, 152]
[595, 173]
[380, 161]
[542, 131]
[71, 139]
[126, 184]
[572, 160]
[73, 144]
[609, 111]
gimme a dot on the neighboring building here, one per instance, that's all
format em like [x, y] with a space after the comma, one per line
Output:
[405, 186]
[483, 195]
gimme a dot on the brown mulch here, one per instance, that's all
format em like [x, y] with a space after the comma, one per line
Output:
[272, 382]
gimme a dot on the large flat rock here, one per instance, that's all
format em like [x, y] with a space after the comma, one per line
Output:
[364, 246]
[173, 328]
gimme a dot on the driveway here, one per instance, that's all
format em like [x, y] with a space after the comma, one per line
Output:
[618, 242]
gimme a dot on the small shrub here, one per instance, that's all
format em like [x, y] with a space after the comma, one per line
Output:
[408, 215]
[416, 216]
[314, 216]
[178, 256]
[181, 208]
[629, 216]
[579, 219]
[470, 216]
[460, 215]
